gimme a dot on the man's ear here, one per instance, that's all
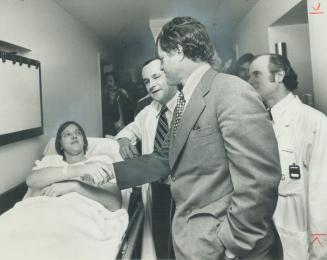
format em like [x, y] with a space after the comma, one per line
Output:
[279, 76]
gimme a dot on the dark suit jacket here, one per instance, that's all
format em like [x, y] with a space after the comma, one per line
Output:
[225, 172]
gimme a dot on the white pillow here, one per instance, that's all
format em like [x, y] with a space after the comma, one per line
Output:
[97, 146]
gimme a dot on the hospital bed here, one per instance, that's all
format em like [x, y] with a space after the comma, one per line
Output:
[130, 244]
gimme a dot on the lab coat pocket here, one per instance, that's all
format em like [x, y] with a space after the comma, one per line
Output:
[289, 185]
[295, 243]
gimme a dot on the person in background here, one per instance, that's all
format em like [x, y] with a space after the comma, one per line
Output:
[224, 62]
[145, 129]
[144, 98]
[242, 66]
[301, 132]
[216, 62]
[120, 108]
[131, 95]
[227, 61]
[221, 153]
[140, 90]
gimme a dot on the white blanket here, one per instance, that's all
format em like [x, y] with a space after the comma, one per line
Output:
[70, 227]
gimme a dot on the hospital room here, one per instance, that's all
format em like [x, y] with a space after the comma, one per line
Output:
[163, 129]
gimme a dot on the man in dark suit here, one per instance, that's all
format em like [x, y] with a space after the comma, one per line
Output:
[221, 152]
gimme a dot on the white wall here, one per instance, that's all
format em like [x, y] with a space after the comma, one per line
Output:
[318, 43]
[69, 56]
[252, 32]
[297, 42]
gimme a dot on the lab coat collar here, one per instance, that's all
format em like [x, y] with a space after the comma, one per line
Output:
[284, 112]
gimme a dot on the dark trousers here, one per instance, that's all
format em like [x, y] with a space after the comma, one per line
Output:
[163, 209]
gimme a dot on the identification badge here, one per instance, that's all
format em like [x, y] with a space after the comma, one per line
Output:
[294, 171]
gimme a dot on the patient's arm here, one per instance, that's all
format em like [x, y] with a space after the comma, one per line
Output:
[109, 195]
[49, 175]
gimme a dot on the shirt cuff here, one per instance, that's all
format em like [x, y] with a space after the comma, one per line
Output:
[229, 254]
[131, 138]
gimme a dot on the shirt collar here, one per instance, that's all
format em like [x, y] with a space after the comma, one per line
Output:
[193, 80]
[279, 109]
[171, 104]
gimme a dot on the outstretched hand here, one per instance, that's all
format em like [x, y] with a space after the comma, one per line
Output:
[126, 149]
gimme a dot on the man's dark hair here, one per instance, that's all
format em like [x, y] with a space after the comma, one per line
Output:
[190, 34]
[61, 129]
[247, 57]
[280, 63]
[149, 61]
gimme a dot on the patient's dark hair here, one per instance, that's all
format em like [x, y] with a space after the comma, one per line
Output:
[61, 128]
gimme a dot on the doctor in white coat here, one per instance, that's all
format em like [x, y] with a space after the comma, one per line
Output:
[301, 131]
[143, 129]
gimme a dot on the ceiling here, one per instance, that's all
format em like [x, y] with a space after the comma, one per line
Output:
[297, 15]
[122, 23]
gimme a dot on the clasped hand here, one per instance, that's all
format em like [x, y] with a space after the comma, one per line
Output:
[60, 188]
[126, 149]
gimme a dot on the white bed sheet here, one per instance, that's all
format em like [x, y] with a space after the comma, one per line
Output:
[68, 227]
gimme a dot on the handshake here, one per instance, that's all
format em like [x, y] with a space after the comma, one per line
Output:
[97, 173]
[127, 149]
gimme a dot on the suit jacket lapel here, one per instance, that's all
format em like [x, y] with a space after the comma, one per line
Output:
[192, 112]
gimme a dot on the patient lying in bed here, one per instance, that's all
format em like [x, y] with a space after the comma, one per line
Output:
[62, 217]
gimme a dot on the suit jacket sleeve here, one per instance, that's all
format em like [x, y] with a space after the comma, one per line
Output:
[254, 166]
[147, 168]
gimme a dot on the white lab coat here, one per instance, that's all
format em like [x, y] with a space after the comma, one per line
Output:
[301, 211]
[143, 128]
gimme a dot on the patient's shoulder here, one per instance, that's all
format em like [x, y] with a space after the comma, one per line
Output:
[102, 157]
[50, 160]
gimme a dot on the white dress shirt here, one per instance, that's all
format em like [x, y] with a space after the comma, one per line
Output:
[193, 80]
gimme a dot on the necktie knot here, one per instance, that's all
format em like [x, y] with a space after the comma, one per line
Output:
[181, 96]
[180, 87]
[163, 109]
[269, 112]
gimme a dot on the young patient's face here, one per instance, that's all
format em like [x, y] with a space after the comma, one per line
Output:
[72, 140]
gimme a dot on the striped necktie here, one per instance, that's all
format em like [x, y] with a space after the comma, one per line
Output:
[162, 128]
[178, 112]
